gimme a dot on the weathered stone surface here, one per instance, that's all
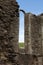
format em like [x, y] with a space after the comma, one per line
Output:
[28, 59]
[41, 16]
[9, 20]
[28, 48]
[34, 36]
[33, 33]
[9, 31]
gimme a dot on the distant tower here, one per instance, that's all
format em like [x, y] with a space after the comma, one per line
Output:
[9, 30]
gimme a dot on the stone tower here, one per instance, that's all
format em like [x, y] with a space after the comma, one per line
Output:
[9, 30]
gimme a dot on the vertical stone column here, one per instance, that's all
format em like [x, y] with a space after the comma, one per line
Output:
[33, 36]
[26, 34]
[41, 17]
[27, 23]
[33, 33]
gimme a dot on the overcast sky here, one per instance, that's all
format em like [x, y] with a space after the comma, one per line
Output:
[33, 6]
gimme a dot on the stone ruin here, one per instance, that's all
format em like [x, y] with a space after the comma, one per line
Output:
[34, 36]
[9, 31]
[9, 34]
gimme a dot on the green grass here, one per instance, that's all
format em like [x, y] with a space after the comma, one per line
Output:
[21, 44]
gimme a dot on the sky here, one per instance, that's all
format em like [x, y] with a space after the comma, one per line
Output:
[33, 6]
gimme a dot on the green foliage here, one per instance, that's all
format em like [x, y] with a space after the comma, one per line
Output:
[21, 44]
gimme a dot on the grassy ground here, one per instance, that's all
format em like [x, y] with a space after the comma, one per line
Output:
[21, 44]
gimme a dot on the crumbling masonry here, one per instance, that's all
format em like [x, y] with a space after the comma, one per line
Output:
[34, 36]
[9, 31]
[9, 34]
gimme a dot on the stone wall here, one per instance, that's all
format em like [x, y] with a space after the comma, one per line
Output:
[27, 59]
[34, 35]
[41, 16]
[9, 31]
[9, 20]
[9, 34]
[27, 35]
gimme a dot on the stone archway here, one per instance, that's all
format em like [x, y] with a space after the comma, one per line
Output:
[21, 29]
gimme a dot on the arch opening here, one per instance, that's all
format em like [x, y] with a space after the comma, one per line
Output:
[21, 30]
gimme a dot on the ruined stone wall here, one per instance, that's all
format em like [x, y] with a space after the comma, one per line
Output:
[33, 32]
[41, 16]
[28, 48]
[9, 20]
[36, 35]
[33, 36]
[9, 30]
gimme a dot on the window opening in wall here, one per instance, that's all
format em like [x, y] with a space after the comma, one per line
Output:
[21, 31]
